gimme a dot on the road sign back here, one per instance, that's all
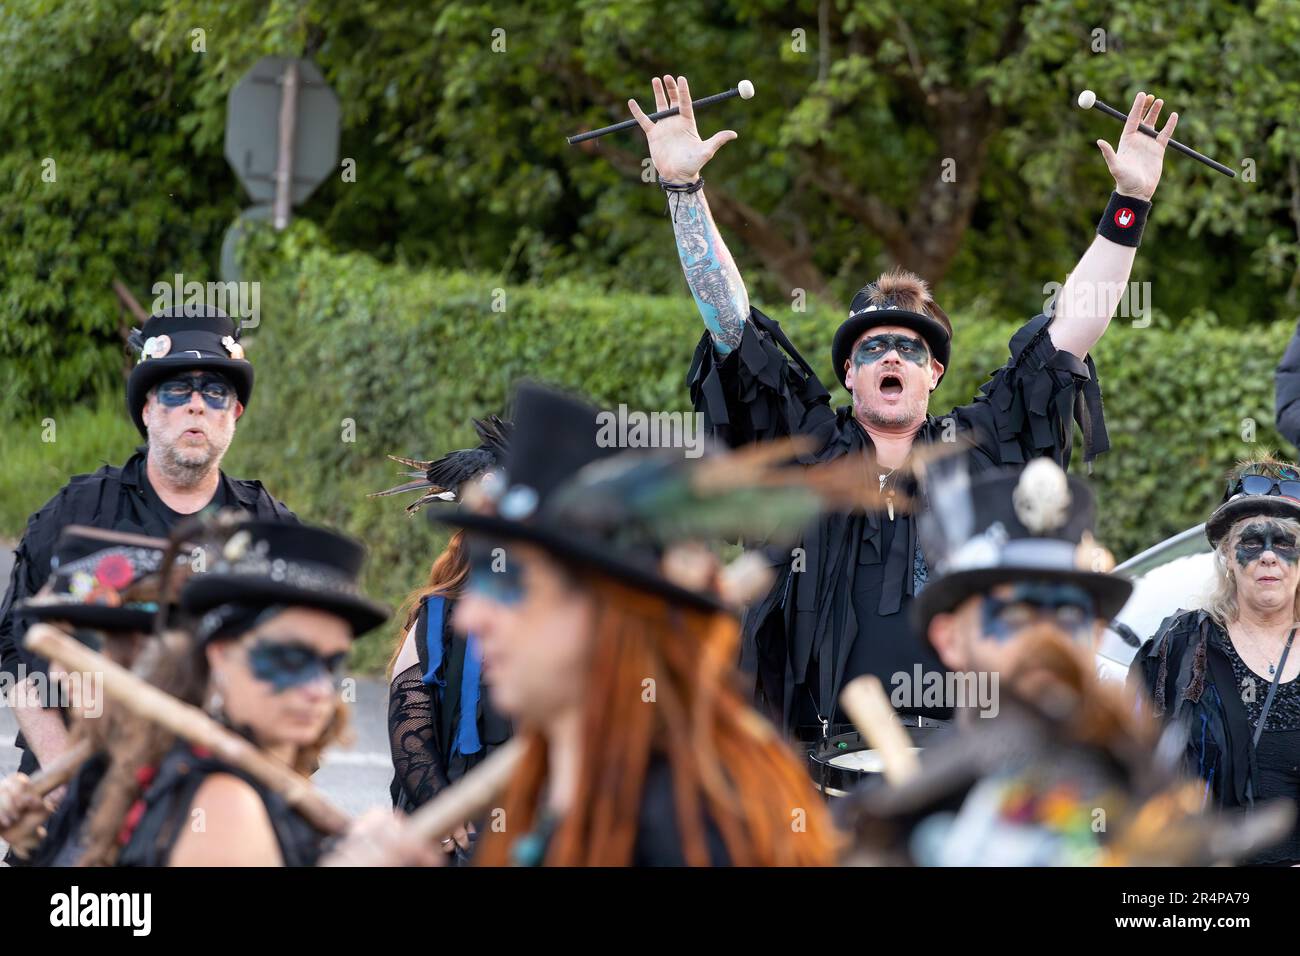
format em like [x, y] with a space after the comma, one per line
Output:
[252, 129]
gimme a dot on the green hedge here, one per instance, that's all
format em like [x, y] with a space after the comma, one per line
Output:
[408, 357]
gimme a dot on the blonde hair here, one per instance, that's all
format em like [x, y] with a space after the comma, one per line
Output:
[905, 290]
[1221, 603]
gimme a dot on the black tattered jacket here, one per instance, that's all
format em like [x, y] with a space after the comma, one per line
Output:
[763, 389]
[1188, 679]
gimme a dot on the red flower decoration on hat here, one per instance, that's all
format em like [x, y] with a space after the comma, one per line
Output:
[114, 571]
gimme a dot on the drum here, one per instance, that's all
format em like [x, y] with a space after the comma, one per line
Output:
[842, 763]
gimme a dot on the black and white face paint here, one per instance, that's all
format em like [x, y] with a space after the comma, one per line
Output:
[1263, 536]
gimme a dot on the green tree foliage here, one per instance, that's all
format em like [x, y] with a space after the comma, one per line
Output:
[455, 114]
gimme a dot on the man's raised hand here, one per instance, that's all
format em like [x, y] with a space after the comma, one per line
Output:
[675, 145]
[1137, 164]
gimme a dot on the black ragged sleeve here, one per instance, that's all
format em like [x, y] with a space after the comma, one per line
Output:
[760, 390]
[1030, 405]
[1286, 391]
[418, 771]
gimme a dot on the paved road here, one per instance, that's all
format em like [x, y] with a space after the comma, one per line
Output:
[354, 777]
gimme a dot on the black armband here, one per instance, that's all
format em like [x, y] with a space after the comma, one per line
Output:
[1124, 220]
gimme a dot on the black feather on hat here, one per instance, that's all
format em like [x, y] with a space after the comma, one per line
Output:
[446, 477]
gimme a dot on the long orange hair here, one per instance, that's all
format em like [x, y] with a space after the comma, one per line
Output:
[662, 681]
[446, 578]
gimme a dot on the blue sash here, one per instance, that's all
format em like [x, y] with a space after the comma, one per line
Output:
[467, 740]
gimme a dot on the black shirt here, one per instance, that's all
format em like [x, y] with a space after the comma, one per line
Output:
[155, 823]
[658, 835]
[424, 713]
[117, 499]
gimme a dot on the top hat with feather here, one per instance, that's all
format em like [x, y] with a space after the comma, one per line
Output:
[637, 515]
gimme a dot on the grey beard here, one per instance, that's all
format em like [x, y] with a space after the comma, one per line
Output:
[179, 472]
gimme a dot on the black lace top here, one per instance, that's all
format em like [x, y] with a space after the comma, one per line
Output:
[1278, 754]
[1284, 714]
[425, 710]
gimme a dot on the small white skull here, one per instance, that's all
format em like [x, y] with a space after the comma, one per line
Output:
[1042, 496]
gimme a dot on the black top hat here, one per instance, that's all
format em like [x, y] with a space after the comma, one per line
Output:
[936, 329]
[183, 339]
[1007, 526]
[1237, 505]
[107, 580]
[281, 563]
[556, 437]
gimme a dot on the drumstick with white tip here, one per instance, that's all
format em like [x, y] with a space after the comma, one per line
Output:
[1088, 100]
[864, 700]
[744, 89]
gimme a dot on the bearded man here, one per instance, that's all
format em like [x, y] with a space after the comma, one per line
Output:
[185, 395]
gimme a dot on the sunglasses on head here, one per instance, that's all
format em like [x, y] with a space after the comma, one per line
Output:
[288, 662]
[215, 391]
[1288, 487]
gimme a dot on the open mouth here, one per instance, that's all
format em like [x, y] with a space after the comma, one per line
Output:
[891, 386]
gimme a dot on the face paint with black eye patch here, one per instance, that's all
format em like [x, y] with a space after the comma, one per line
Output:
[289, 663]
[1064, 605]
[1264, 536]
[873, 349]
[500, 581]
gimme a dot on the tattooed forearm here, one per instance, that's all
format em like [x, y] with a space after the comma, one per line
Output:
[710, 271]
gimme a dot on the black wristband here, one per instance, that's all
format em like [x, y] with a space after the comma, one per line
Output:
[1124, 219]
[679, 190]
[686, 188]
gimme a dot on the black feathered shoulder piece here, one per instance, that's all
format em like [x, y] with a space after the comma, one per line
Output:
[443, 479]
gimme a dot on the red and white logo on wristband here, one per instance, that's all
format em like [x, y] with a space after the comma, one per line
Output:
[1124, 217]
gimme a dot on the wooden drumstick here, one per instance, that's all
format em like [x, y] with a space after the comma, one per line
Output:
[63, 768]
[864, 700]
[191, 724]
[44, 782]
[472, 795]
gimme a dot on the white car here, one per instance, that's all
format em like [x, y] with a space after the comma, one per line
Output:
[1176, 573]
